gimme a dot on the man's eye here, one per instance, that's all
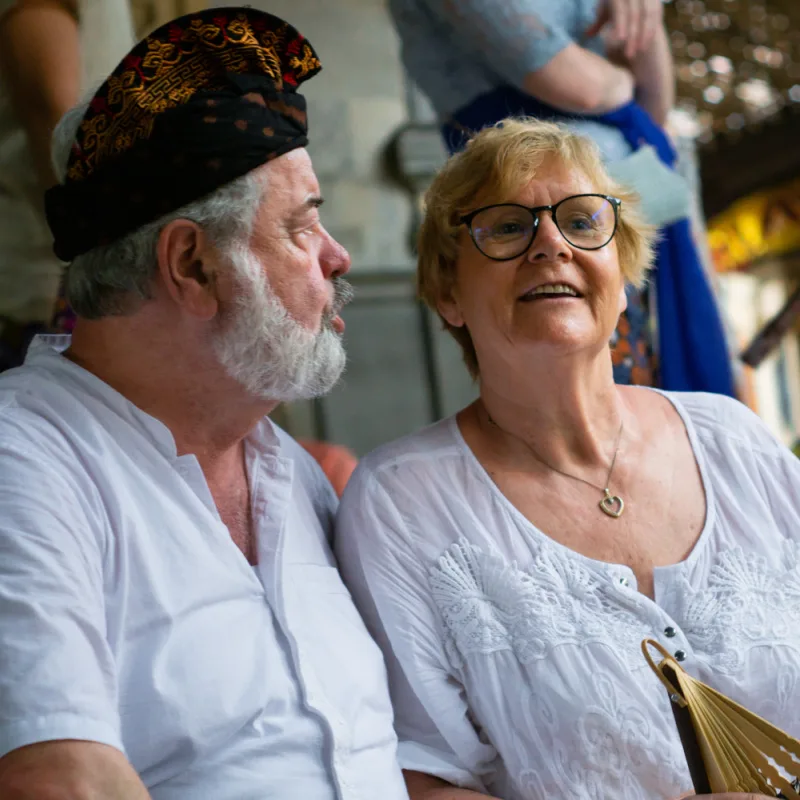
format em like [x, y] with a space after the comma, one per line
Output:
[308, 225]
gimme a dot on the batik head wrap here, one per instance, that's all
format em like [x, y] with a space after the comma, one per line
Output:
[198, 103]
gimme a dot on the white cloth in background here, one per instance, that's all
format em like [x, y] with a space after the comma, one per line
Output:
[29, 271]
[129, 617]
[515, 662]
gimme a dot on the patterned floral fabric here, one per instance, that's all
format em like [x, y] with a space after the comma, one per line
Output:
[515, 662]
[632, 342]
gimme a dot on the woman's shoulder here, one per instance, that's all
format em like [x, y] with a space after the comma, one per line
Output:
[417, 453]
[409, 489]
[726, 419]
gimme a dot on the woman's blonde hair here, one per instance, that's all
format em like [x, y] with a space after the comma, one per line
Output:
[495, 164]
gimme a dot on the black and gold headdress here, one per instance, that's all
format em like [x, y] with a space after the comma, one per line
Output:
[201, 101]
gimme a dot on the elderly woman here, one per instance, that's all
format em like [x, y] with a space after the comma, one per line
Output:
[511, 559]
[480, 61]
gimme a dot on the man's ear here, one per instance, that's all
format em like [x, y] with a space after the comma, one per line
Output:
[187, 263]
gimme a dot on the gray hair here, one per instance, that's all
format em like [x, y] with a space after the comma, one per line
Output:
[113, 279]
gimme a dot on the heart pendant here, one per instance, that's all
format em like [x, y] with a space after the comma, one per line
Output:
[612, 504]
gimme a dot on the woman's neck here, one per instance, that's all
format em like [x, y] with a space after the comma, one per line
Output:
[566, 415]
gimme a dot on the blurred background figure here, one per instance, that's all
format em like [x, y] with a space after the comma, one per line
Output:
[51, 51]
[605, 68]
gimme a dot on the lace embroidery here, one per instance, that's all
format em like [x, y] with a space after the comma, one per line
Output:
[746, 603]
[489, 605]
[587, 728]
[611, 744]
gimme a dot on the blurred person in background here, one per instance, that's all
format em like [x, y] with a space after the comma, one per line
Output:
[50, 52]
[604, 68]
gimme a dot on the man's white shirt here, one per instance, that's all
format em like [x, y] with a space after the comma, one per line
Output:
[129, 617]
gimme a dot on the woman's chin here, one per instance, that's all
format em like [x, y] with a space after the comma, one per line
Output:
[563, 338]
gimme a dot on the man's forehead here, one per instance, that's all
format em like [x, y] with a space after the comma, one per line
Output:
[291, 189]
[293, 167]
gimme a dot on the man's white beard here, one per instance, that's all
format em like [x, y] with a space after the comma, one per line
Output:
[266, 350]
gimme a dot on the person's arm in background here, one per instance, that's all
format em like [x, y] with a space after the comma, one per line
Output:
[580, 81]
[40, 65]
[654, 72]
[644, 69]
[639, 42]
[525, 44]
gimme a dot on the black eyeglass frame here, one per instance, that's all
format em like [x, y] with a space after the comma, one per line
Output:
[466, 219]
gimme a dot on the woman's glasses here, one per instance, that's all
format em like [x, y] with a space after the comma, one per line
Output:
[505, 231]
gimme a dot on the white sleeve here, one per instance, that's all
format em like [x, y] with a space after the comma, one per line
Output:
[390, 587]
[778, 465]
[57, 674]
[747, 455]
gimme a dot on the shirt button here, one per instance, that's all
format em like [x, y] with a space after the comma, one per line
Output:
[680, 655]
[624, 582]
[669, 631]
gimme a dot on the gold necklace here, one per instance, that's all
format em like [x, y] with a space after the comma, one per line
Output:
[611, 504]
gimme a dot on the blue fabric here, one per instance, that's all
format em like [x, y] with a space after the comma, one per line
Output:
[693, 352]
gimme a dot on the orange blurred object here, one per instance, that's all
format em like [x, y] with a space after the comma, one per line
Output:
[337, 462]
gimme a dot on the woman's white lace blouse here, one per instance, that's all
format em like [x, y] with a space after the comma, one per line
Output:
[515, 663]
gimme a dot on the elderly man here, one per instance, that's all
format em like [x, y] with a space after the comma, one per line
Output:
[172, 624]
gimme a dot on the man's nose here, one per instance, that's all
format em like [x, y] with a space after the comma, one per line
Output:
[333, 258]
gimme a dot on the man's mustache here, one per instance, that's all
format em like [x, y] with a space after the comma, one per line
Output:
[343, 293]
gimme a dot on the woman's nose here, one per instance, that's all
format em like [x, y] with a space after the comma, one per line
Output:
[549, 243]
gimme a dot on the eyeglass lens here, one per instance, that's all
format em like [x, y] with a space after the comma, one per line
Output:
[505, 231]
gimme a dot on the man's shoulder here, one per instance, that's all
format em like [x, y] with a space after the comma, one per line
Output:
[29, 416]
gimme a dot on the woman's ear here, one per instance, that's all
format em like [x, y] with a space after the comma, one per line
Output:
[449, 308]
[623, 298]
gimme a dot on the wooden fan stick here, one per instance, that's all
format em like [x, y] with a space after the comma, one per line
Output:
[691, 747]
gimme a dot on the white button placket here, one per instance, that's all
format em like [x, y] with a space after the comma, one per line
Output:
[673, 640]
[669, 634]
